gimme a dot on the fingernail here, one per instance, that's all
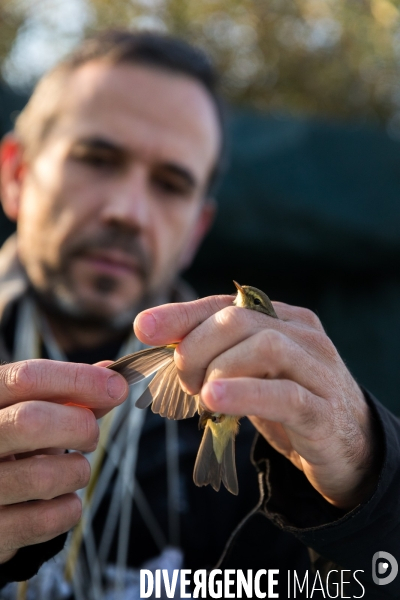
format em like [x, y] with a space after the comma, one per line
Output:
[116, 386]
[217, 389]
[148, 324]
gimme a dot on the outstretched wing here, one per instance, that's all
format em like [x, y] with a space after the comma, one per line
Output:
[164, 390]
[135, 367]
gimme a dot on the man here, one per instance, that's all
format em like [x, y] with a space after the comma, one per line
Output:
[108, 177]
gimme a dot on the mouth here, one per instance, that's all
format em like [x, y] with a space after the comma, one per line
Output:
[112, 262]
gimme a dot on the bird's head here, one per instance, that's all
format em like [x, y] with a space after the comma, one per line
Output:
[253, 299]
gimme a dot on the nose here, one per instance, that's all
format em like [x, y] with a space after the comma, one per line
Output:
[128, 201]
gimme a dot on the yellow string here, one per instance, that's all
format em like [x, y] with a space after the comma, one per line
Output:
[22, 590]
[77, 535]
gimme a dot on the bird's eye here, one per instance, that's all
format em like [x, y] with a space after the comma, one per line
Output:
[257, 301]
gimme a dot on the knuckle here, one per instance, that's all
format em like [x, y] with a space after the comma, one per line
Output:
[270, 342]
[300, 400]
[54, 517]
[231, 316]
[35, 528]
[259, 392]
[36, 522]
[82, 382]
[337, 409]
[310, 318]
[45, 477]
[323, 345]
[269, 350]
[184, 315]
[20, 379]
[27, 419]
[46, 522]
[39, 478]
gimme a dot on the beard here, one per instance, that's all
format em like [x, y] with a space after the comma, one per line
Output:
[59, 297]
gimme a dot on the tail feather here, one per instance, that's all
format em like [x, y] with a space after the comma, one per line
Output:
[208, 470]
[228, 468]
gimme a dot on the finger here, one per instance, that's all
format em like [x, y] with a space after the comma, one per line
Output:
[270, 354]
[171, 322]
[315, 430]
[297, 314]
[36, 522]
[277, 437]
[100, 412]
[221, 331]
[31, 425]
[104, 363]
[42, 477]
[85, 385]
[281, 401]
[212, 325]
[38, 452]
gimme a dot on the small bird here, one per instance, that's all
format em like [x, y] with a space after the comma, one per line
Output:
[215, 460]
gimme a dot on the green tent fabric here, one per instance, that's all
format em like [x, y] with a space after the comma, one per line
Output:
[309, 211]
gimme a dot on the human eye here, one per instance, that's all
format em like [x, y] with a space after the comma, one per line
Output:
[170, 187]
[95, 156]
[173, 184]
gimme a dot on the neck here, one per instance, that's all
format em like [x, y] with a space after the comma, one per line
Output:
[74, 333]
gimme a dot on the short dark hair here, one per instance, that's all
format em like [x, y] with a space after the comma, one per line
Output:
[118, 46]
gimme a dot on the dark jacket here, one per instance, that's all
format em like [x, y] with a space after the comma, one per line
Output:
[278, 521]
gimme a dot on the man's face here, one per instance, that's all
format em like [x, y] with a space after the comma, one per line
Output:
[113, 203]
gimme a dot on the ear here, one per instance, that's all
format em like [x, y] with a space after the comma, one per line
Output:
[201, 227]
[11, 174]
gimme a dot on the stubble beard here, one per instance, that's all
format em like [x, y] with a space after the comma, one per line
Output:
[57, 295]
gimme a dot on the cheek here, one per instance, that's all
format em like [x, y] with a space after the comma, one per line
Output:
[43, 227]
[57, 206]
[35, 224]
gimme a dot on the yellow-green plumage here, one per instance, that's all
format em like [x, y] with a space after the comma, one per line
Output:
[215, 461]
[222, 432]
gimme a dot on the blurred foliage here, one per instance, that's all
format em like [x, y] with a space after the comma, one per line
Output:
[11, 19]
[324, 57]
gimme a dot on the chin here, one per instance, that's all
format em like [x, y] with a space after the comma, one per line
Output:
[93, 310]
[110, 310]
[105, 296]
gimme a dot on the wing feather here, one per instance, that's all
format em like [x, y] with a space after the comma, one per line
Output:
[206, 469]
[160, 385]
[190, 407]
[175, 403]
[164, 391]
[228, 467]
[145, 399]
[135, 367]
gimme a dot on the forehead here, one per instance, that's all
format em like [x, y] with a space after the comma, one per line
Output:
[161, 115]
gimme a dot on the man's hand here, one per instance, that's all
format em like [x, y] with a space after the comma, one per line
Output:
[46, 407]
[286, 375]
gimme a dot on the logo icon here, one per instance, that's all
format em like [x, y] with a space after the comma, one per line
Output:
[384, 568]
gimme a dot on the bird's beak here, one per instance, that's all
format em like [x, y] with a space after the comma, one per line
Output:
[238, 287]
